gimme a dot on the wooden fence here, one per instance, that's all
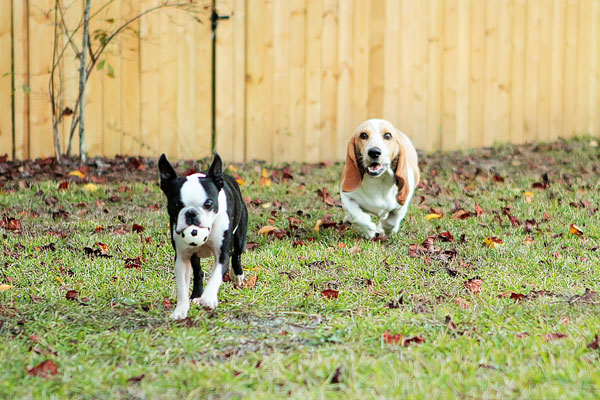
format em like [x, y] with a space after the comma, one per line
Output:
[294, 77]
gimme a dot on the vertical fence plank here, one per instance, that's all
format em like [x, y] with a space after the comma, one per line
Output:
[477, 72]
[375, 59]
[544, 73]
[198, 141]
[328, 81]
[149, 80]
[556, 66]
[583, 65]
[407, 23]
[570, 72]
[434, 76]
[490, 99]
[594, 103]
[260, 85]
[532, 58]
[360, 61]
[20, 32]
[418, 131]
[170, 138]
[345, 72]
[112, 134]
[94, 103]
[463, 72]
[194, 142]
[224, 85]
[281, 81]
[6, 128]
[517, 72]
[312, 116]
[239, 78]
[504, 85]
[297, 88]
[41, 15]
[130, 81]
[449, 76]
[391, 61]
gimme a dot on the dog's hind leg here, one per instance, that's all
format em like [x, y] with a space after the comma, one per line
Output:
[198, 277]
[236, 273]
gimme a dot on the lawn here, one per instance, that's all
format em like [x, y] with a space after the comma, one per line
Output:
[488, 291]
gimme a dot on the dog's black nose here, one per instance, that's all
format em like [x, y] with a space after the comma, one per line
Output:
[374, 152]
[190, 217]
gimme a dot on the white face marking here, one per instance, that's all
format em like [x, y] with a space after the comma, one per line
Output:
[375, 128]
[193, 197]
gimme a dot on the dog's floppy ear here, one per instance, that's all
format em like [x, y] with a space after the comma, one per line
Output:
[353, 173]
[215, 172]
[401, 172]
[167, 173]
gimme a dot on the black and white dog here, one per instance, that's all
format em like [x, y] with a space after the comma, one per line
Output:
[211, 205]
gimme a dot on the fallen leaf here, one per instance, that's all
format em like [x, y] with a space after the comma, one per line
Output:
[594, 344]
[478, 209]
[136, 379]
[137, 228]
[167, 302]
[44, 370]
[413, 340]
[325, 196]
[264, 179]
[575, 230]
[77, 173]
[267, 229]
[251, 245]
[90, 187]
[522, 335]
[330, 294]
[461, 214]
[72, 295]
[492, 242]
[432, 216]
[337, 376]
[390, 338]
[474, 285]
[250, 282]
[512, 295]
[550, 337]
[63, 185]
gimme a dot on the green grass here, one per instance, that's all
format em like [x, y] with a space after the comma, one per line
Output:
[282, 338]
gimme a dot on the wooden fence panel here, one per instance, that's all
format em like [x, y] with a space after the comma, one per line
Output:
[6, 127]
[294, 77]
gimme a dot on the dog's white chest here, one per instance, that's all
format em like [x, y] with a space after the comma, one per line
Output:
[377, 195]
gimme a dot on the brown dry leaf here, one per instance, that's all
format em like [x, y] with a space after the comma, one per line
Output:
[462, 303]
[250, 282]
[474, 285]
[137, 228]
[337, 376]
[512, 295]
[135, 379]
[575, 230]
[167, 303]
[594, 344]
[45, 369]
[325, 196]
[413, 340]
[478, 209]
[265, 230]
[72, 295]
[550, 337]
[461, 214]
[103, 247]
[330, 294]
[391, 338]
[354, 249]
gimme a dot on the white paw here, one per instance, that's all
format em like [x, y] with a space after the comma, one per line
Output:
[237, 280]
[196, 301]
[370, 232]
[208, 302]
[180, 312]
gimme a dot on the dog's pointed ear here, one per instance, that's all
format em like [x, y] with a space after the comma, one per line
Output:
[215, 172]
[401, 172]
[353, 173]
[167, 173]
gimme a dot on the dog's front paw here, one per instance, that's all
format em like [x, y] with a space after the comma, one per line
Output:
[180, 312]
[371, 232]
[207, 302]
[237, 280]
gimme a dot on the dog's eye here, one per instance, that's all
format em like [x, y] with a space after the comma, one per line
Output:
[363, 135]
[387, 136]
[178, 204]
[208, 204]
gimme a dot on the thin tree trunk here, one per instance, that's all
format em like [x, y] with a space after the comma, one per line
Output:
[83, 79]
[53, 99]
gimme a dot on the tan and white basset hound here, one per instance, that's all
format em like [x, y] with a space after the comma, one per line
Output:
[379, 178]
